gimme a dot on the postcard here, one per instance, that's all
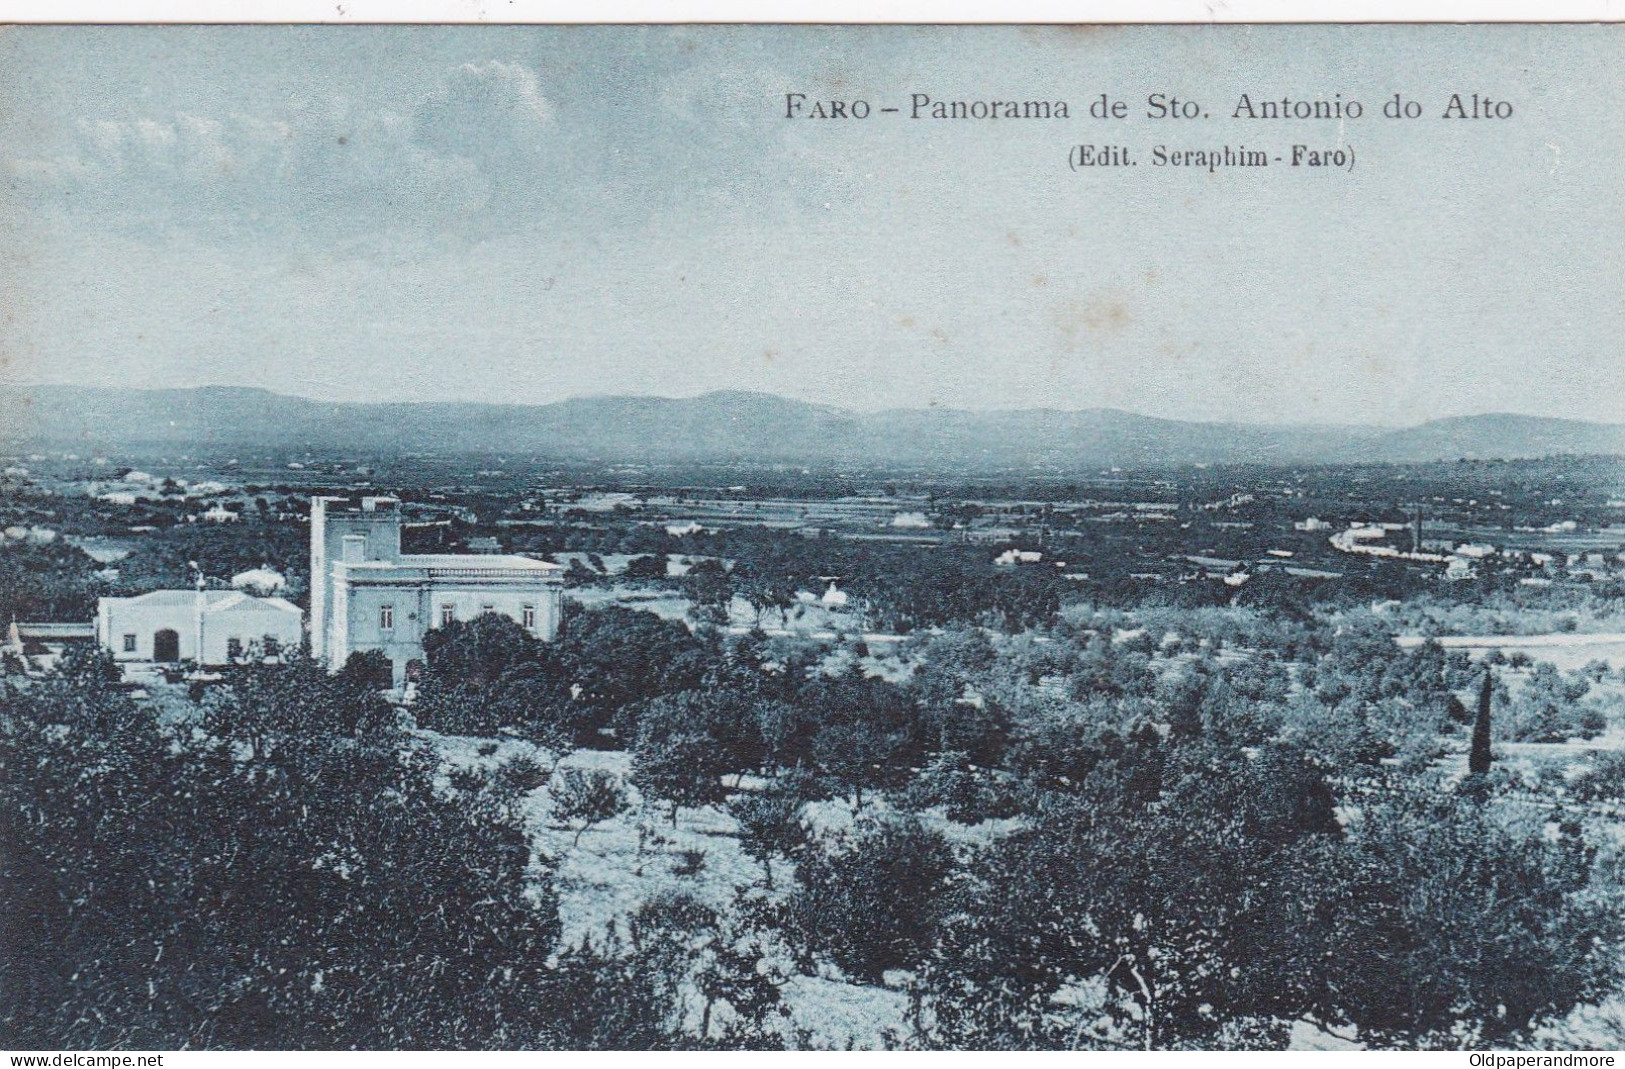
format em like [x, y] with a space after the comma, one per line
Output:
[812, 537]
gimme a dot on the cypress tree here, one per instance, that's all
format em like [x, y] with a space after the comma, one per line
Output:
[1478, 759]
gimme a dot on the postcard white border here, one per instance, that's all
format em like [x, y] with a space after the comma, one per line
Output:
[813, 11]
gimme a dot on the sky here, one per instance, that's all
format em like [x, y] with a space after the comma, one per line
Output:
[526, 214]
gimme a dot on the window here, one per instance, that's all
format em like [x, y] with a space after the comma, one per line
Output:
[448, 613]
[272, 646]
[529, 617]
[129, 643]
[234, 648]
[386, 617]
[488, 608]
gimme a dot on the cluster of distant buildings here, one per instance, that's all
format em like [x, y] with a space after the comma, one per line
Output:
[134, 487]
[1461, 559]
[366, 596]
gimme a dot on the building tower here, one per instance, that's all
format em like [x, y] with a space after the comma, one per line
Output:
[376, 528]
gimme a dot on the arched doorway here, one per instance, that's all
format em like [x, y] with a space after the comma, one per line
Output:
[166, 646]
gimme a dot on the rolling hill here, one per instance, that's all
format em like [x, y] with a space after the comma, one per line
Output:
[738, 427]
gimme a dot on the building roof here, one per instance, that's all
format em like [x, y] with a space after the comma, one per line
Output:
[485, 561]
[213, 600]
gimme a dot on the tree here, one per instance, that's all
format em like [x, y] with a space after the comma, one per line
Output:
[786, 730]
[587, 796]
[1487, 929]
[857, 754]
[479, 651]
[1551, 708]
[169, 889]
[709, 587]
[483, 675]
[966, 794]
[868, 732]
[1428, 921]
[608, 999]
[769, 825]
[679, 767]
[734, 968]
[725, 715]
[873, 903]
[272, 707]
[650, 566]
[606, 660]
[1478, 758]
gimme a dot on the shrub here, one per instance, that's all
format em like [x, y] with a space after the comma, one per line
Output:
[521, 774]
[966, 794]
[1603, 780]
[583, 797]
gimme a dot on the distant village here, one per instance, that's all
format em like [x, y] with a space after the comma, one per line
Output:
[357, 590]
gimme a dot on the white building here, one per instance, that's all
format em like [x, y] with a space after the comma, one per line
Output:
[205, 626]
[262, 580]
[366, 595]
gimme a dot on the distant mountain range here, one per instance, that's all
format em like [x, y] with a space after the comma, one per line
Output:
[737, 427]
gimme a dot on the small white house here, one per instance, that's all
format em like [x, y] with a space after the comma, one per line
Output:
[205, 626]
[1012, 557]
[263, 581]
[834, 598]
